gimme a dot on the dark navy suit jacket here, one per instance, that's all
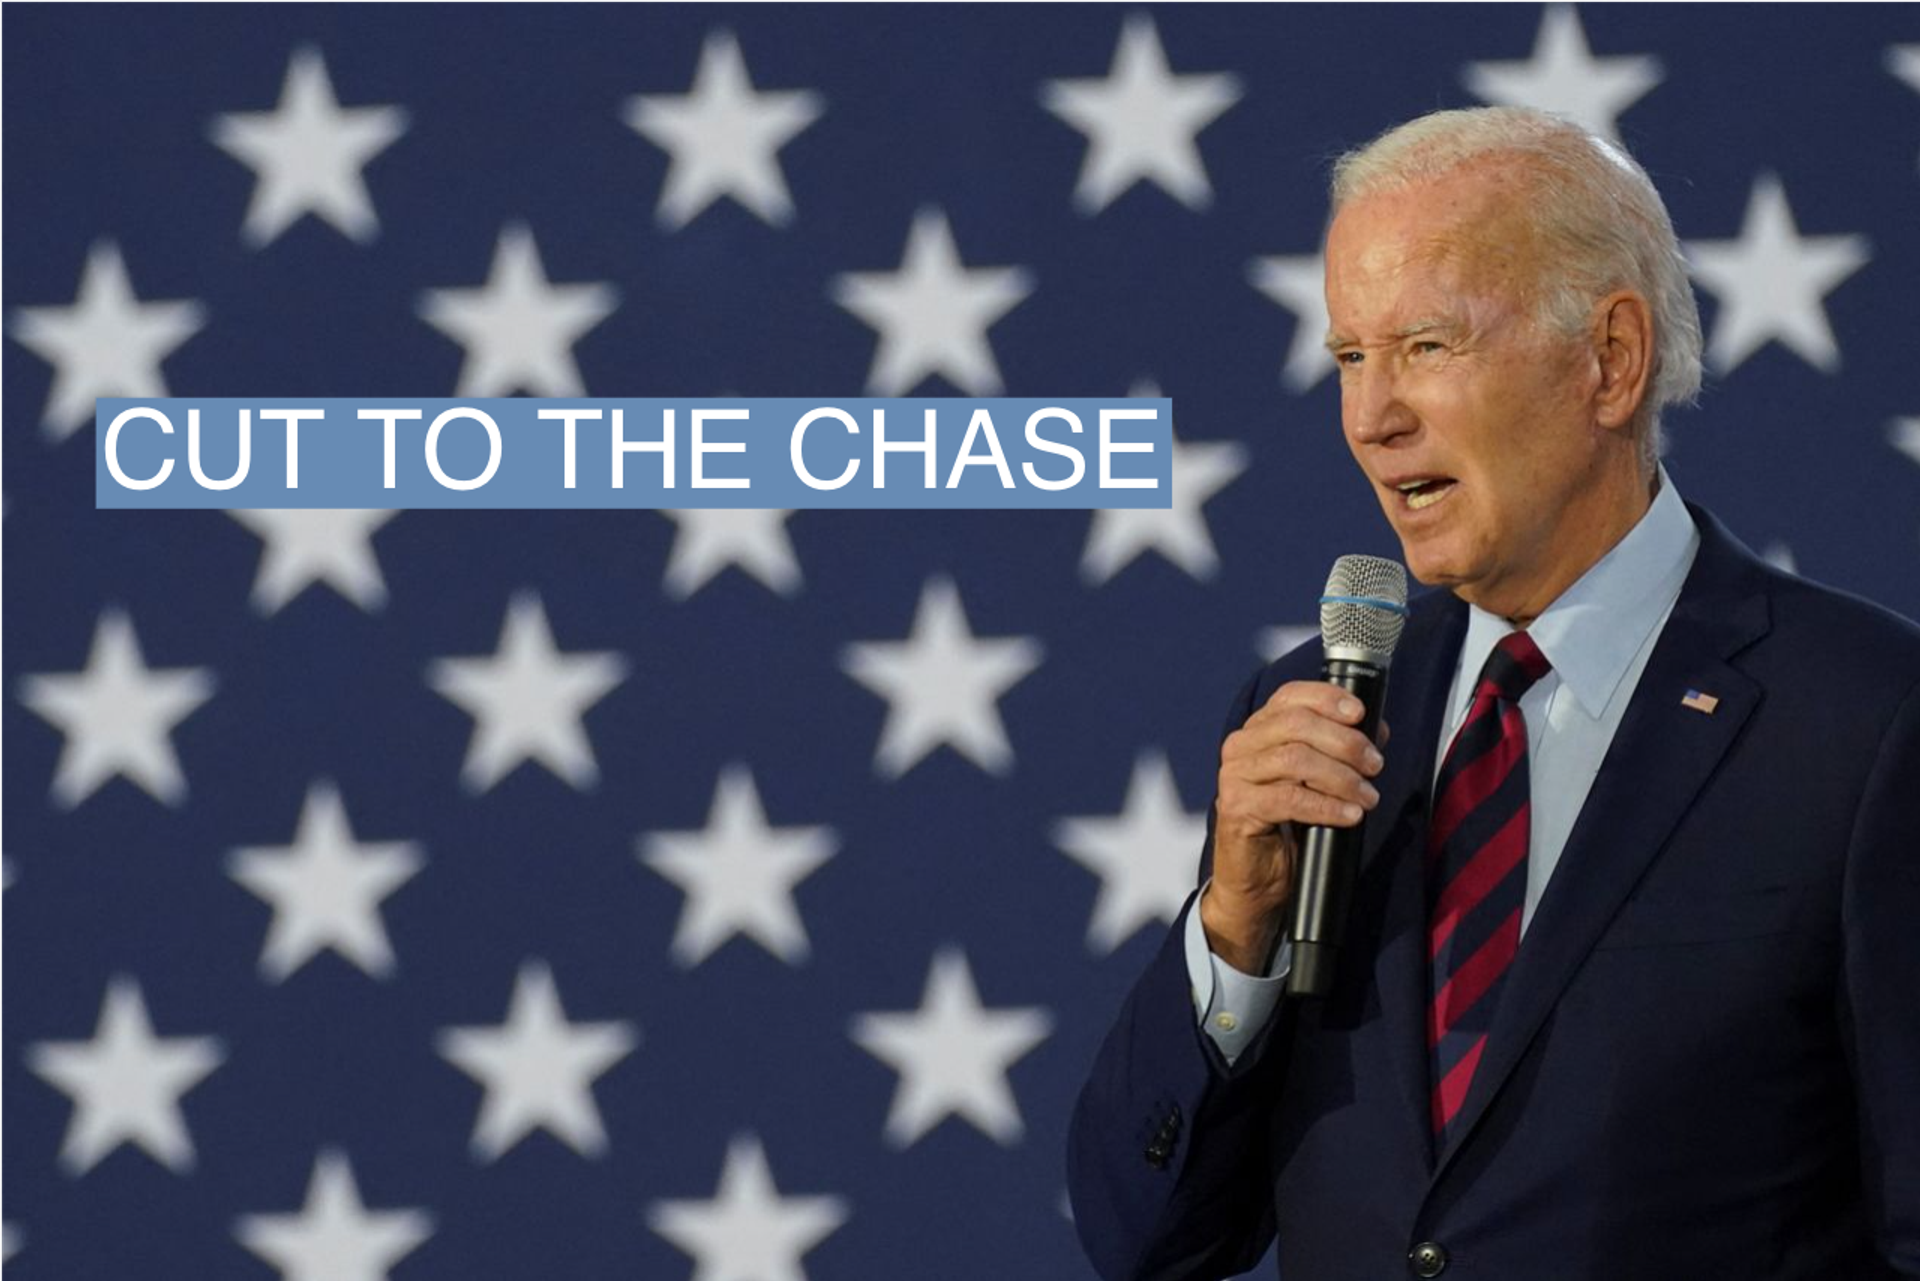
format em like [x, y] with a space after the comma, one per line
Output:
[1706, 1059]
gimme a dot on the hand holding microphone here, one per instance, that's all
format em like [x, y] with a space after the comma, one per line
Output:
[1294, 787]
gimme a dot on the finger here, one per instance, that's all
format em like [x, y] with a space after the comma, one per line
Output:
[1304, 724]
[1281, 803]
[1324, 697]
[1301, 763]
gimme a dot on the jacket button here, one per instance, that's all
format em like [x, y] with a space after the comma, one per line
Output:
[1428, 1259]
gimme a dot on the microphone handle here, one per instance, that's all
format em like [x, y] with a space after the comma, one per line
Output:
[1329, 862]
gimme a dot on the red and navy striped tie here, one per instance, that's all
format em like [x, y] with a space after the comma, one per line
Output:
[1477, 871]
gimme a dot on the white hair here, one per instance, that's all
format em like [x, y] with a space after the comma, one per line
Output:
[1600, 221]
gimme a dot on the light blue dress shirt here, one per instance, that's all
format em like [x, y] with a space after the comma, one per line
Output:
[1598, 636]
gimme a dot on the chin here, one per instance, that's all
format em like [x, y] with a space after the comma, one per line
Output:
[1429, 565]
[1444, 558]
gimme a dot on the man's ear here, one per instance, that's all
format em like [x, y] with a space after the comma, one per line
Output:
[1623, 334]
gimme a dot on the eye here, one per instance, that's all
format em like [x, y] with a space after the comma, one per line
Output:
[1349, 357]
[1427, 346]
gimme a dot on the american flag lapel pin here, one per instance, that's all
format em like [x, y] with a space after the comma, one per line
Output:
[1700, 702]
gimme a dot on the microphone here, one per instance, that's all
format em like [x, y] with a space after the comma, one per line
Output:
[1361, 615]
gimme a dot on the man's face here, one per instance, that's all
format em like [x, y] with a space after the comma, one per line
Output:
[1474, 425]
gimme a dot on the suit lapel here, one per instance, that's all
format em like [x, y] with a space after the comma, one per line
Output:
[1661, 756]
[1395, 841]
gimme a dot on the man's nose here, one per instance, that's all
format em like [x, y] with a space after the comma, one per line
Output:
[1375, 409]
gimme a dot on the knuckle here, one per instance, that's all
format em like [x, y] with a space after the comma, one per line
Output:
[1241, 744]
[1294, 760]
[1304, 695]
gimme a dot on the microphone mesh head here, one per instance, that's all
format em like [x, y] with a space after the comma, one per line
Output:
[1364, 608]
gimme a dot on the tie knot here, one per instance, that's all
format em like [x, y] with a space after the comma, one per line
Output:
[1512, 668]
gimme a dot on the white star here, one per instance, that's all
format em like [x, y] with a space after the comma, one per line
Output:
[952, 1055]
[538, 1069]
[518, 328]
[1285, 638]
[1145, 856]
[1141, 121]
[1905, 435]
[308, 153]
[10, 1241]
[126, 1083]
[1779, 555]
[710, 539]
[748, 1231]
[117, 716]
[326, 889]
[305, 546]
[1298, 282]
[1179, 531]
[942, 684]
[1772, 282]
[1903, 60]
[528, 699]
[1564, 77]
[107, 343]
[725, 139]
[738, 874]
[933, 313]
[334, 1238]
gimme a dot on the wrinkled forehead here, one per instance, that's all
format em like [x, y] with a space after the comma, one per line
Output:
[1467, 233]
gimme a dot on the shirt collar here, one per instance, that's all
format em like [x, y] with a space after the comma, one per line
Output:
[1593, 630]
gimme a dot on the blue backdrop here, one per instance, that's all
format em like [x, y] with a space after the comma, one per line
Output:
[601, 894]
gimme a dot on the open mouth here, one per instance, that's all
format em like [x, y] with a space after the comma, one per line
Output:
[1425, 492]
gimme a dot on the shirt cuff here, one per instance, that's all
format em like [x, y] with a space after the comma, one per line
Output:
[1233, 1007]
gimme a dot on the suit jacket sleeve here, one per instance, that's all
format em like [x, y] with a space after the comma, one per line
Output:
[1167, 1161]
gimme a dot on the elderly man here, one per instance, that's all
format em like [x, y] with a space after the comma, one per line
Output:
[1631, 986]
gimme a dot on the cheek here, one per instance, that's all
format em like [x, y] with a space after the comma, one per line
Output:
[1447, 403]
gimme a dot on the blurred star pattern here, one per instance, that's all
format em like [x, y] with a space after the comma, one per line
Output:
[740, 896]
